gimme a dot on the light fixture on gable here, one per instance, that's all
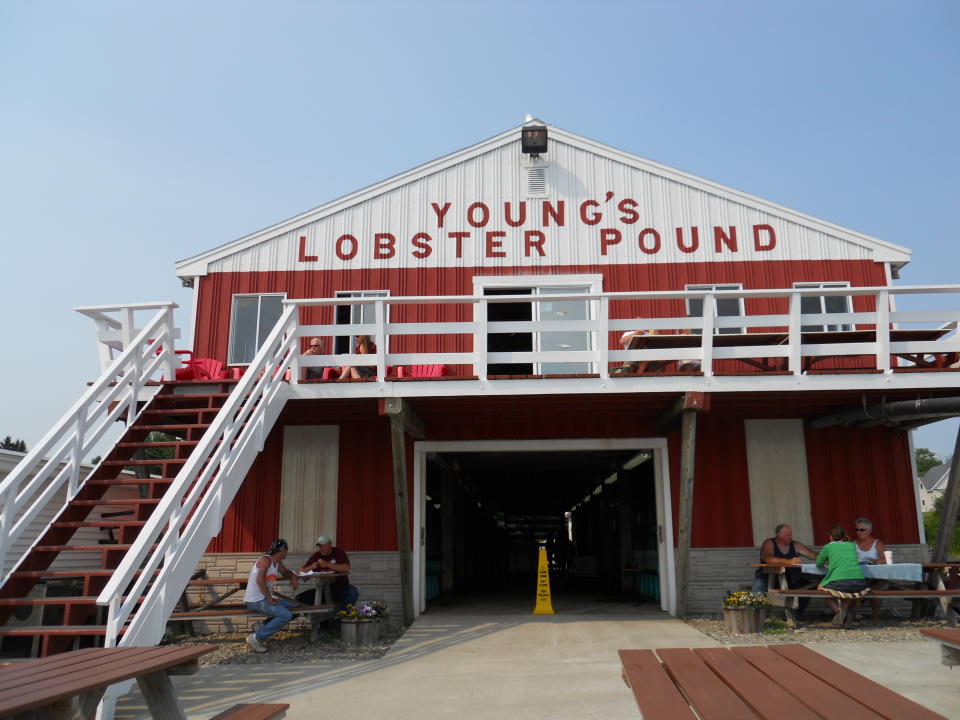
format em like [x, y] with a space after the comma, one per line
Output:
[533, 140]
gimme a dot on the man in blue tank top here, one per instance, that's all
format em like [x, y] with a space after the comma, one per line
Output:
[782, 549]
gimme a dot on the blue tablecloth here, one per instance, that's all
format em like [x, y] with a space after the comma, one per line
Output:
[898, 571]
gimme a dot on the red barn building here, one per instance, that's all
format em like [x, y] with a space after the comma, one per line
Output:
[501, 278]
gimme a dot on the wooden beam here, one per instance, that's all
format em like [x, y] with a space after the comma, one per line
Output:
[950, 508]
[688, 447]
[402, 421]
[668, 420]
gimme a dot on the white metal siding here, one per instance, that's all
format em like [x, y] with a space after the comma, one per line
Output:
[779, 489]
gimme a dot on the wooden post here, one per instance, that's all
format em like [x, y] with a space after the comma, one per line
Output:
[950, 508]
[402, 420]
[688, 446]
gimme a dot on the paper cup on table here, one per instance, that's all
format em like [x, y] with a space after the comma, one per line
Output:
[889, 555]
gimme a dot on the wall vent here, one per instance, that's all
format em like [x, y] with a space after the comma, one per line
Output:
[536, 181]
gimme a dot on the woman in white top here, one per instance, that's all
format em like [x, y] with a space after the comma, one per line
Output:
[870, 551]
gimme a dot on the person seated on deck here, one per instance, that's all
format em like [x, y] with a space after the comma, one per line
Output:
[364, 347]
[314, 348]
[844, 578]
[688, 364]
[630, 367]
[782, 549]
[259, 595]
[870, 551]
[329, 557]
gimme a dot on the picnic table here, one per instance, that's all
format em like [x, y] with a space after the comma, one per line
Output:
[896, 573]
[71, 684]
[765, 682]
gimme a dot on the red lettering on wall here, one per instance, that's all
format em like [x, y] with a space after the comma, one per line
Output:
[694, 240]
[533, 239]
[628, 207]
[557, 214]
[484, 215]
[758, 244]
[346, 240]
[421, 241]
[303, 257]
[593, 218]
[508, 216]
[384, 246]
[494, 247]
[440, 211]
[459, 237]
[608, 237]
[649, 232]
[720, 238]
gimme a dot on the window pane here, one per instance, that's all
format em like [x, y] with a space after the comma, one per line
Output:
[810, 306]
[271, 307]
[243, 333]
[836, 304]
[563, 341]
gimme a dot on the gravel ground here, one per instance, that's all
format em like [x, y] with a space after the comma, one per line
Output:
[291, 646]
[818, 630]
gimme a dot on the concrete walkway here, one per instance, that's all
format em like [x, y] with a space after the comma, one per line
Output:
[459, 662]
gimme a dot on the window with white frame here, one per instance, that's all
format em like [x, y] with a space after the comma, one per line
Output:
[354, 315]
[725, 307]
[823, 305]
[252, 318]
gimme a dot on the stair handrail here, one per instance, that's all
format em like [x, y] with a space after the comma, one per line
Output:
[178, 531]
[116, 392]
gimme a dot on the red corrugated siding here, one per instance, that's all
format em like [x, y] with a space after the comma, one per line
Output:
[252, 520]
[216, 290]
[862, 472]
[721, 489]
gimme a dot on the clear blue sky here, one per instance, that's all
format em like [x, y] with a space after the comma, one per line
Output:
[133, 135]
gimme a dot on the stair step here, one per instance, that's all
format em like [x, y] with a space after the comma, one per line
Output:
[64, 600]
[158, 444]
[74, 548]
[173, 426]
[130, 481]
[95, 503]
[156, 461]
[178, 411]
[43, 574]
[105, 523]
[73, 630]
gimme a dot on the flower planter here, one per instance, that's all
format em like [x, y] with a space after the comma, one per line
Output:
[360, 632]
[744, 620]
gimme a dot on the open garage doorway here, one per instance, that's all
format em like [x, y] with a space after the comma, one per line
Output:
[601, 507]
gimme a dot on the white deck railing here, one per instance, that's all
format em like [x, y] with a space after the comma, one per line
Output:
[190, 512]
[52, 468]
[602, 350]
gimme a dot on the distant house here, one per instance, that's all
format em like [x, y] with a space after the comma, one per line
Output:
[933, 484]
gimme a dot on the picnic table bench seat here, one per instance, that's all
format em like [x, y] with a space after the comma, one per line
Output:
[757, 682]
[254, 711]
[316, 613]
[949, 639]
[783, 597]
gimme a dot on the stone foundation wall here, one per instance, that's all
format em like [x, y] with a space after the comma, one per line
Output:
[714, 571]
[375, 574]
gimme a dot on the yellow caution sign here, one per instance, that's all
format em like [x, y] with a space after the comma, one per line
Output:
[544, 604]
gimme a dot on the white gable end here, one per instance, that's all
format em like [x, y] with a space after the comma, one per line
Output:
[599, 207]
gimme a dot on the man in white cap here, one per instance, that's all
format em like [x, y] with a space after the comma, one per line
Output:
[328, 557]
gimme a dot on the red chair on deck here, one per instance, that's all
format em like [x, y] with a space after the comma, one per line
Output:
[208, 369]
[424, 371]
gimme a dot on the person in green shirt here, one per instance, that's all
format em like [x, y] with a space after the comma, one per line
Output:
[844, 579]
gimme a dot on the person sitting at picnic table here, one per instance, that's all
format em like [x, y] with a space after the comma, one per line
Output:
[364, 347]
[782, 549]
[844, 579]
[328, 557]
[259, 595]
[870, 551]
[630, 367]
[314, 348]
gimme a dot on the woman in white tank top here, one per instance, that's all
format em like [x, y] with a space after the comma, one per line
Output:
[870, 551]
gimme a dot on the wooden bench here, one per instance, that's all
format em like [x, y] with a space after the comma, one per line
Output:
[747, 683]
[782, 598]
[254, 711]
[316, 613]
[949, 640]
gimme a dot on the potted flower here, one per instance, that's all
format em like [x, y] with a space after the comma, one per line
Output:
[360, 623]
[744, 611]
